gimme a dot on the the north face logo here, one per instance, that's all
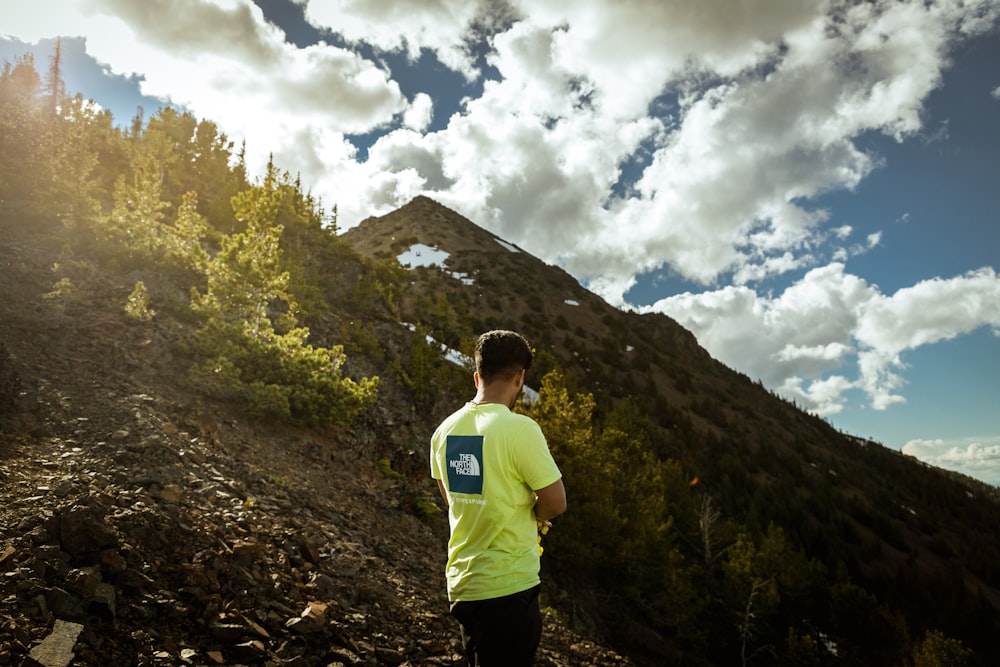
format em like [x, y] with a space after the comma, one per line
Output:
[467, 464]
[465, 467]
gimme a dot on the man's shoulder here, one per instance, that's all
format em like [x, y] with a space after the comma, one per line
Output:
[524, 423]
[506, 419]
[523, 418]
[448, 422]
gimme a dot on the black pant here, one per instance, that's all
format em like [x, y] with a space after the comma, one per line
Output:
[501, 632]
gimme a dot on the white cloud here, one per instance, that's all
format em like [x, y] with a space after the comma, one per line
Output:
[931, 311]
[420, 113]
[730, 183]
[631, 50]
[44, 18]
[824, 397]
[803, 340]
[443, 26]
[976, 457]
[224, 61]
[803, 333]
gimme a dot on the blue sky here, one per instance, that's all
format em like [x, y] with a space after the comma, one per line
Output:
[809, 186]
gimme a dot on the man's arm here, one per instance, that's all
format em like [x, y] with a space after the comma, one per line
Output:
[550, 501]
[444, 492]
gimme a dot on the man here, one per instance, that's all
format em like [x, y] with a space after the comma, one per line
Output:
[502, 487]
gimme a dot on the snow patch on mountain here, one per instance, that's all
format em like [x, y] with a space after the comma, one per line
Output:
[420, 254]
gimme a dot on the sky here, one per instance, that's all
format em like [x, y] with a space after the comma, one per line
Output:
[809, 186]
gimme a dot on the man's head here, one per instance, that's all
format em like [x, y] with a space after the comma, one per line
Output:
[501, 355]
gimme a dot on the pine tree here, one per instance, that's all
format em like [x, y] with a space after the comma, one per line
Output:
[20, 148]
[73, 192]
[267, 363]
[55, 87]
[185, 237]
[135, 224]
[246, 276]
[939, 650]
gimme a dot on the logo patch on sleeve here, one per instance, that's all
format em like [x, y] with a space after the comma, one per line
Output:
[465, 463]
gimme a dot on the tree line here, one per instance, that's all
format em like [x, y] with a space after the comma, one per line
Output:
[168, 199]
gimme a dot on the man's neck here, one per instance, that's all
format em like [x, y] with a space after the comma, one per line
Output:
[488, 400]
[500, 392]
[505, 396]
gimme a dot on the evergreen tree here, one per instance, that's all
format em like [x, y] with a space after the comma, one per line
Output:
[266, 361]
[55, 87]
[135, 224]
[20, 146]
[73, 193]
[939, 650]
[186, 236]
[246, 276]
[216, 181]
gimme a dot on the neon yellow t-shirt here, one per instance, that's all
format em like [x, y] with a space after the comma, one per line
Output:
[491, 460]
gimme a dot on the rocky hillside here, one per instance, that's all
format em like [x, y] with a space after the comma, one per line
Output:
[143, 525]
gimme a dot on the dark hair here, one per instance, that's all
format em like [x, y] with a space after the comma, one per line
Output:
[501, 354]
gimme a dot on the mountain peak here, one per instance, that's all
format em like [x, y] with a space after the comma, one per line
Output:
[422, 220]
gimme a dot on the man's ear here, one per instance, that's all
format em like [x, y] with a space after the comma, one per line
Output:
[475, 379]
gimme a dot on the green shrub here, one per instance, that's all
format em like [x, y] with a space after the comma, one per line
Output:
[385, 467]
[137, 305]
